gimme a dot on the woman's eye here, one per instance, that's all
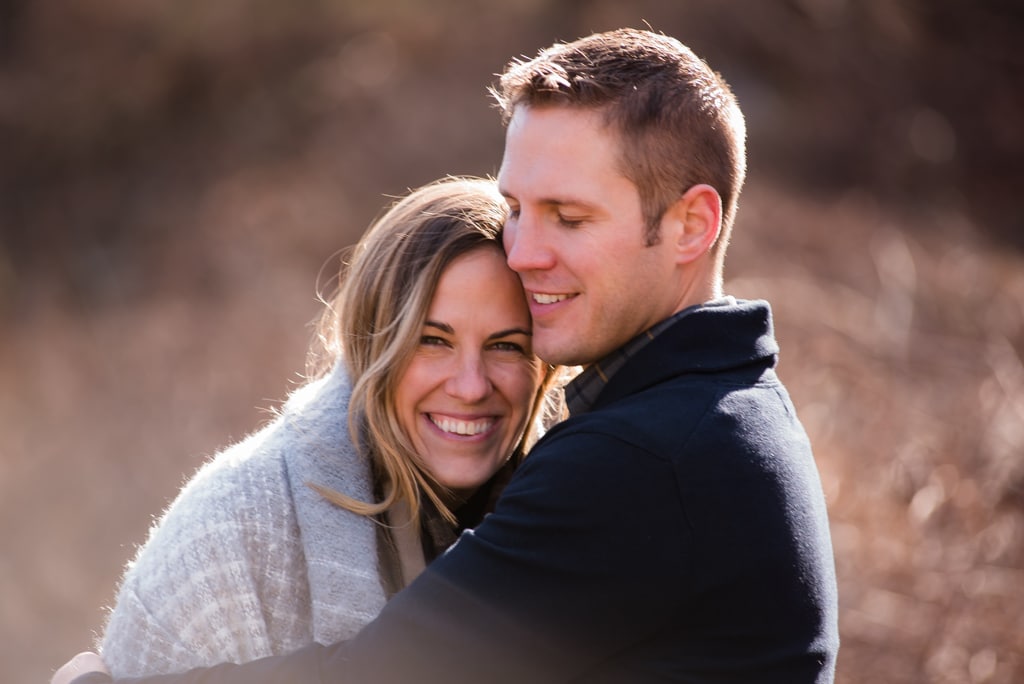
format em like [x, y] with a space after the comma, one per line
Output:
[432, 340]
[509, 346]
[569, 222]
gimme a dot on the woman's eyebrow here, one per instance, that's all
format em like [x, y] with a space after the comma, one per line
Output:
[510, 332]
[444, 327]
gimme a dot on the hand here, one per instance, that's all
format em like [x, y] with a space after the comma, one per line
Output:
[79, 665]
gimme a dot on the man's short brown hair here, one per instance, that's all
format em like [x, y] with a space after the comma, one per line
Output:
[679, 123]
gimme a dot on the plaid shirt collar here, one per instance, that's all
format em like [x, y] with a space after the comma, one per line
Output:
[582, 392]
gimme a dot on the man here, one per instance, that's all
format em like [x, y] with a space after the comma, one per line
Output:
[673, 528]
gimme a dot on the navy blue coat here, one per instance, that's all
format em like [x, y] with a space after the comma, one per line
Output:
[676, 532]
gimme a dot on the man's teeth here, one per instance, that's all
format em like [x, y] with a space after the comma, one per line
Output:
[548, 298]
[462, 427]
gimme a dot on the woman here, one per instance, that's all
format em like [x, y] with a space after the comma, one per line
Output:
[428, 395]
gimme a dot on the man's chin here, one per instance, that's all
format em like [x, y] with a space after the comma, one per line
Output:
[557, 353]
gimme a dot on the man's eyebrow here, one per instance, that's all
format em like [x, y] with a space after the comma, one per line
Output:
[554, 201]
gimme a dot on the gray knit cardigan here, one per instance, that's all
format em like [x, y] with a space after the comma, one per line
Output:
[249, 561]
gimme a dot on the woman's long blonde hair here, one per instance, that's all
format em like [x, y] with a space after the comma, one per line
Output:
[375, 321]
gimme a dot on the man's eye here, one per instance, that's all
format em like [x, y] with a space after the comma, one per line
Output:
[569, 222]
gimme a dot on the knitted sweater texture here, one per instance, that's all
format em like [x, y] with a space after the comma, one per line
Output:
[249, 561]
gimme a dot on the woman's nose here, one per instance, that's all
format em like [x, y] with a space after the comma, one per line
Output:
[469, 381]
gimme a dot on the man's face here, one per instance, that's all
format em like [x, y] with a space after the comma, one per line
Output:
[575, 235]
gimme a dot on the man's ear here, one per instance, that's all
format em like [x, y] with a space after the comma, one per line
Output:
[695, 219]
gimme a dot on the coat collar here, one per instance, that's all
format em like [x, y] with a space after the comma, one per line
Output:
[710, 339]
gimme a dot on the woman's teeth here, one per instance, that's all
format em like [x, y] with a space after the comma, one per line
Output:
[462, 427]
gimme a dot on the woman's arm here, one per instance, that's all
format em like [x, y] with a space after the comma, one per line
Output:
[532, 595]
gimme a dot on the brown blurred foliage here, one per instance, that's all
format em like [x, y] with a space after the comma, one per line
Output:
[174, 177]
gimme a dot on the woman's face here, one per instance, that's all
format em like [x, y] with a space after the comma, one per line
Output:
[466, 394]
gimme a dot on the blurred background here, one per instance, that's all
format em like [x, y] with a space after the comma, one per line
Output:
[176, 179]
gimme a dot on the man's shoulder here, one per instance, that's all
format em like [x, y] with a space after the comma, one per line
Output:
[648, 422]
[681, 416]
[668, 402]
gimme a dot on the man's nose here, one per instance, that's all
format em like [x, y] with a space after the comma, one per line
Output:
[526, 247]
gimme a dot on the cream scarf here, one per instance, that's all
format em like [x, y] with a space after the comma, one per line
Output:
[249, 561]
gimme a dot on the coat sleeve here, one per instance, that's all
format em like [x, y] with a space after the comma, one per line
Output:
[566, 571]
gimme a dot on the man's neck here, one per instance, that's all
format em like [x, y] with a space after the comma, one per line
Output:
[581, 393]
[702, 283]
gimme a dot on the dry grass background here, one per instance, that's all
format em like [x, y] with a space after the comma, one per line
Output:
[174, 177]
